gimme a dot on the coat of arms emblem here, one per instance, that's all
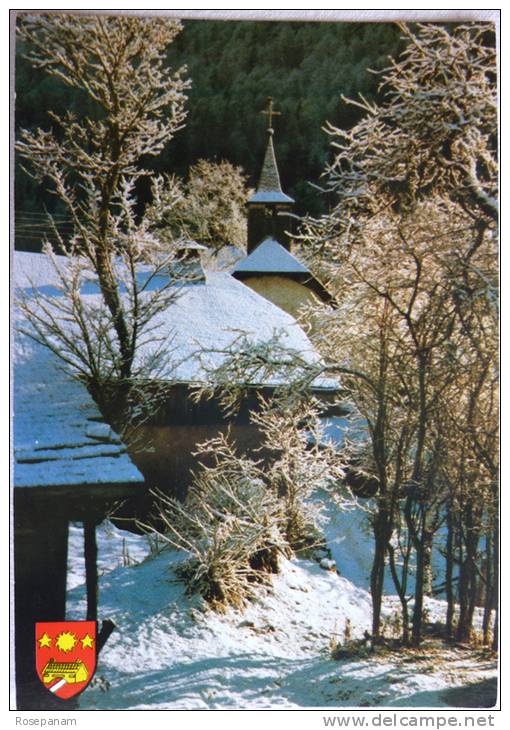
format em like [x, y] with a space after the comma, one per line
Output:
[65, 656]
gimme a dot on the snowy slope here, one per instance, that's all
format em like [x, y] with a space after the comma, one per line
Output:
[168, 653]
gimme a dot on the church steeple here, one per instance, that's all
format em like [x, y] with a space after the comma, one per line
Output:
[269, 189]
[269, 206]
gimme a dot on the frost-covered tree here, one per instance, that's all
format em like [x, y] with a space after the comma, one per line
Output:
[92, 164]
[411, 246]
[437, 131]
[207, 207]
[216, 204]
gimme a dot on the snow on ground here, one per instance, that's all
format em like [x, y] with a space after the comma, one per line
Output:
[348, 539]
[116, 548]
[169, 653]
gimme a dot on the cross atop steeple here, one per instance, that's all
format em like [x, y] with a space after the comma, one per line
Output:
[269, 207]
[269, 190]
[270, 113]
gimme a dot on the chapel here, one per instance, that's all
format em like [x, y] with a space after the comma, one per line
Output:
[271, 268]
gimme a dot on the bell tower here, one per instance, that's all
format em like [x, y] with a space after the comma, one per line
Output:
[269, 206]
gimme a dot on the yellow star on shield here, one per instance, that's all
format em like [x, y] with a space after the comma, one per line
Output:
[45, 640]
[87, 641]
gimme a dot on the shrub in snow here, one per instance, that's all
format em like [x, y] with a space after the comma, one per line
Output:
[349, 648]
[241, 514]
[230, 525]
[299, 463]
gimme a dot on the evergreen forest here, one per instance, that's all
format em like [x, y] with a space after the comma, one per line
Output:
[233, 66]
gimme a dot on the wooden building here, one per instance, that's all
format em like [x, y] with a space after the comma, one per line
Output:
[202, 327]
[198, 330]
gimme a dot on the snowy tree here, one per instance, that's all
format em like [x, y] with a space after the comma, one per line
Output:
[437, 131]
[411, 246]
[216, 200]
[93, 164]
[470, 415]
[229, 526]
[208, 207]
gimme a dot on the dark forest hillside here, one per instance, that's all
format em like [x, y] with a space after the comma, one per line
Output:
[234, 66]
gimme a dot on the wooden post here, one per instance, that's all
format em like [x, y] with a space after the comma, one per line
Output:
[89, 528]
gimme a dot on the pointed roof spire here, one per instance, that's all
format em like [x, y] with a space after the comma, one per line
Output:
[269, 188]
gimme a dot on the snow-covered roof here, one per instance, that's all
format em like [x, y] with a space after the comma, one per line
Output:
[205, 320]
[269, 196]
[208, 317]
[270, 257]
[59, 436]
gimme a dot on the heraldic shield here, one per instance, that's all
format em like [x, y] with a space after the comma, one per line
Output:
[65, 656]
